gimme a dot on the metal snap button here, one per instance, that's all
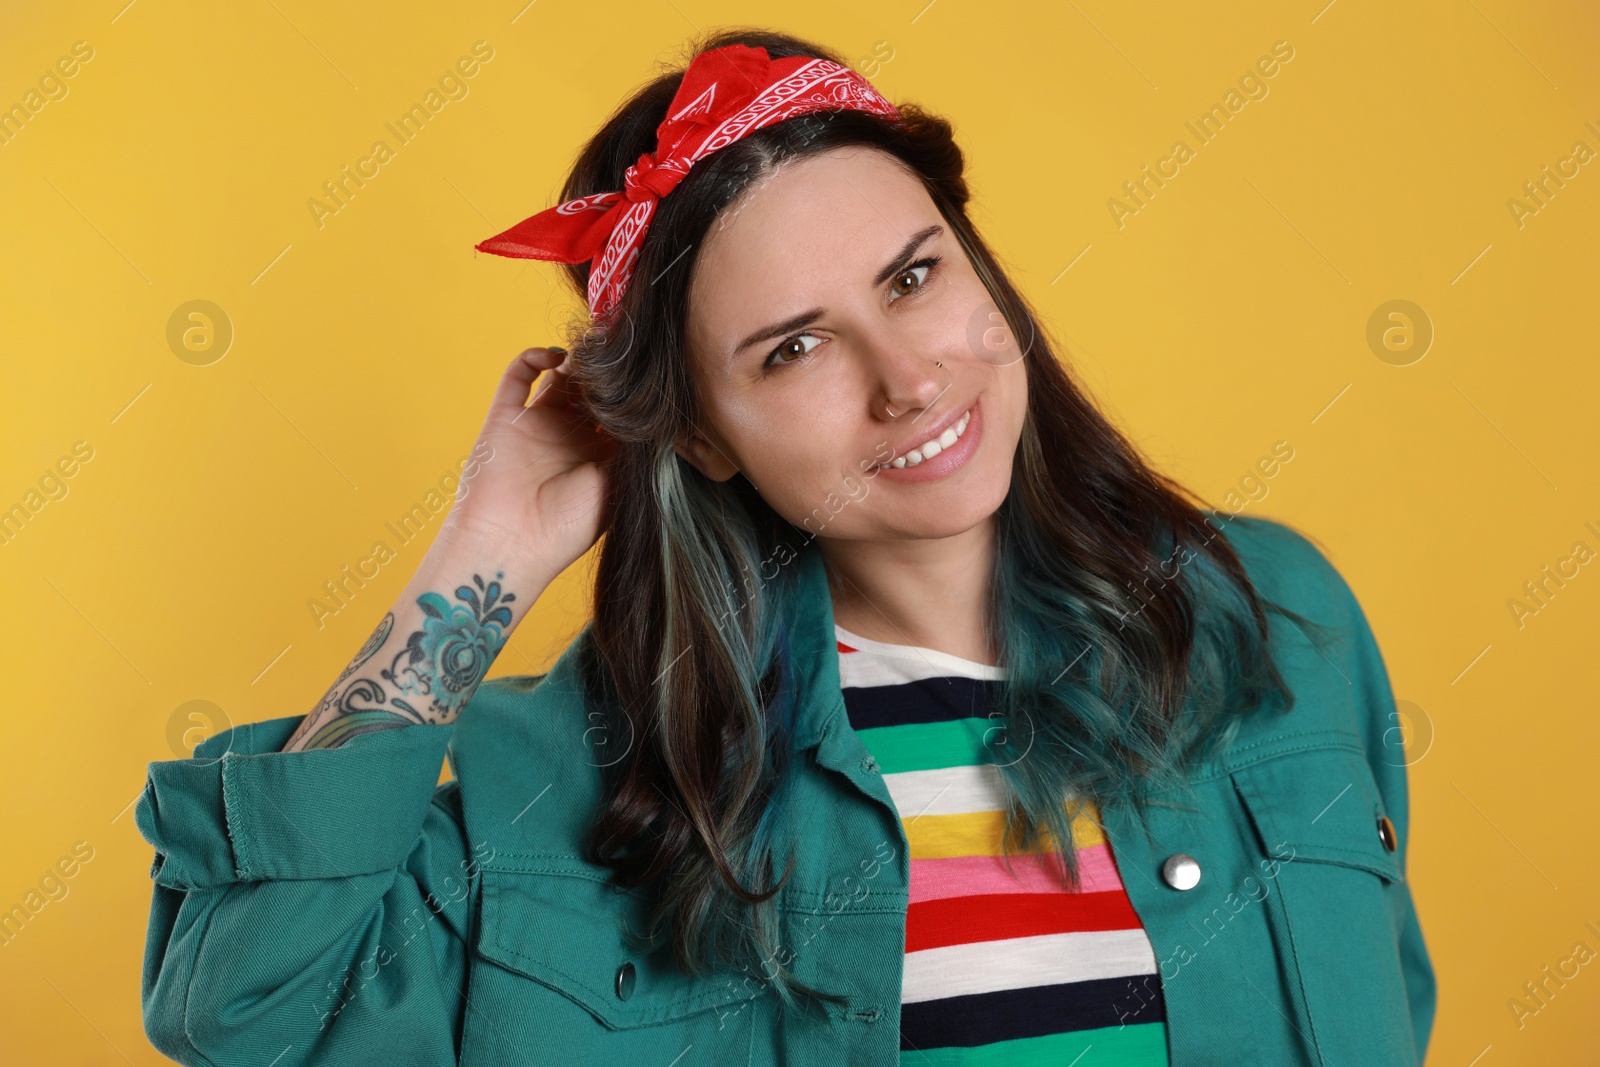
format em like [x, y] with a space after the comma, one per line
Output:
[1386, 833]
[625, 981]
[1181, 871]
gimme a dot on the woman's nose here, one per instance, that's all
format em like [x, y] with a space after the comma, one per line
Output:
[905, 379]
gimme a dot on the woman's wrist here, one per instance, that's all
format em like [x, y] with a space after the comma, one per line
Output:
[432, 650]
[468, 546]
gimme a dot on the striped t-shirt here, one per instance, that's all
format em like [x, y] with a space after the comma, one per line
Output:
[1000, 967]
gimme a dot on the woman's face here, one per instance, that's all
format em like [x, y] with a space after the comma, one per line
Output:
[816, 323]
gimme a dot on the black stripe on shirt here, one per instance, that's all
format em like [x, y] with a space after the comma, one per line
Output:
[924, 700]
[1009, 1014]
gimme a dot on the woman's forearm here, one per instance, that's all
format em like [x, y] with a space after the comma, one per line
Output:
[433, 648]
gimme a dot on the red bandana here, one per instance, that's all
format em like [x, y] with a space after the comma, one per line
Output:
[726, 93]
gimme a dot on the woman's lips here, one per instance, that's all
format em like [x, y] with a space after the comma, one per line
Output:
[948, 460]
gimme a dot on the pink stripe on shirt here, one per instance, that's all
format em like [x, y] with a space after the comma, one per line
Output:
[957, 876]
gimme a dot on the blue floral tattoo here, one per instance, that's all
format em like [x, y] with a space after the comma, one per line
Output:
[444, 662]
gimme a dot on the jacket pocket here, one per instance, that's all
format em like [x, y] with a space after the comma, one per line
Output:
[1320, 821]
[567, 935]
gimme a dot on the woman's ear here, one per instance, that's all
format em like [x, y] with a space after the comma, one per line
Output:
[706, 457]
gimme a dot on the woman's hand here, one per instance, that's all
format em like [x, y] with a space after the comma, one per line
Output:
[536, 489]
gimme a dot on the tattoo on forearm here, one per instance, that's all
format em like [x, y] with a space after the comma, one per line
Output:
[443, 664]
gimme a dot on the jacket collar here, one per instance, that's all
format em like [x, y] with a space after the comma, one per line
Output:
[815, 650]
[821, 725]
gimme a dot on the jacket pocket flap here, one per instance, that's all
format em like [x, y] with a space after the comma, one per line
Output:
[567, 932]
[1324, 804]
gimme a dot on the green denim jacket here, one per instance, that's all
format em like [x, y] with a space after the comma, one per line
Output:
[337, 906]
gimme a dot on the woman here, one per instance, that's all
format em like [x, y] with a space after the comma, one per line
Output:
[918, 718]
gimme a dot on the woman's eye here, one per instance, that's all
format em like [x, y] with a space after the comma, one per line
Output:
[917, 279]
[787, 351]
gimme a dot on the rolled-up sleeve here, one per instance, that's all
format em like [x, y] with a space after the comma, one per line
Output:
[309, 907]
[240, 810]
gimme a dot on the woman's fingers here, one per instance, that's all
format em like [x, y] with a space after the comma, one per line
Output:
[557, 390]
[512, 392]
[554, 389]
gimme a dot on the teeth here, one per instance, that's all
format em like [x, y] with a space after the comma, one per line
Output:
[929, 449]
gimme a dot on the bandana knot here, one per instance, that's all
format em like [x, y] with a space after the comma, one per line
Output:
[649, 180]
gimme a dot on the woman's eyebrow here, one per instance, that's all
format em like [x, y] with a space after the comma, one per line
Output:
[805, 318]
[904, 254]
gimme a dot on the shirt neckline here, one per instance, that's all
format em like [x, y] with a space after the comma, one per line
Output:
[866, 644]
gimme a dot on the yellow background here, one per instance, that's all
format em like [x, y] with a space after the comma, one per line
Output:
[1228, 314]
